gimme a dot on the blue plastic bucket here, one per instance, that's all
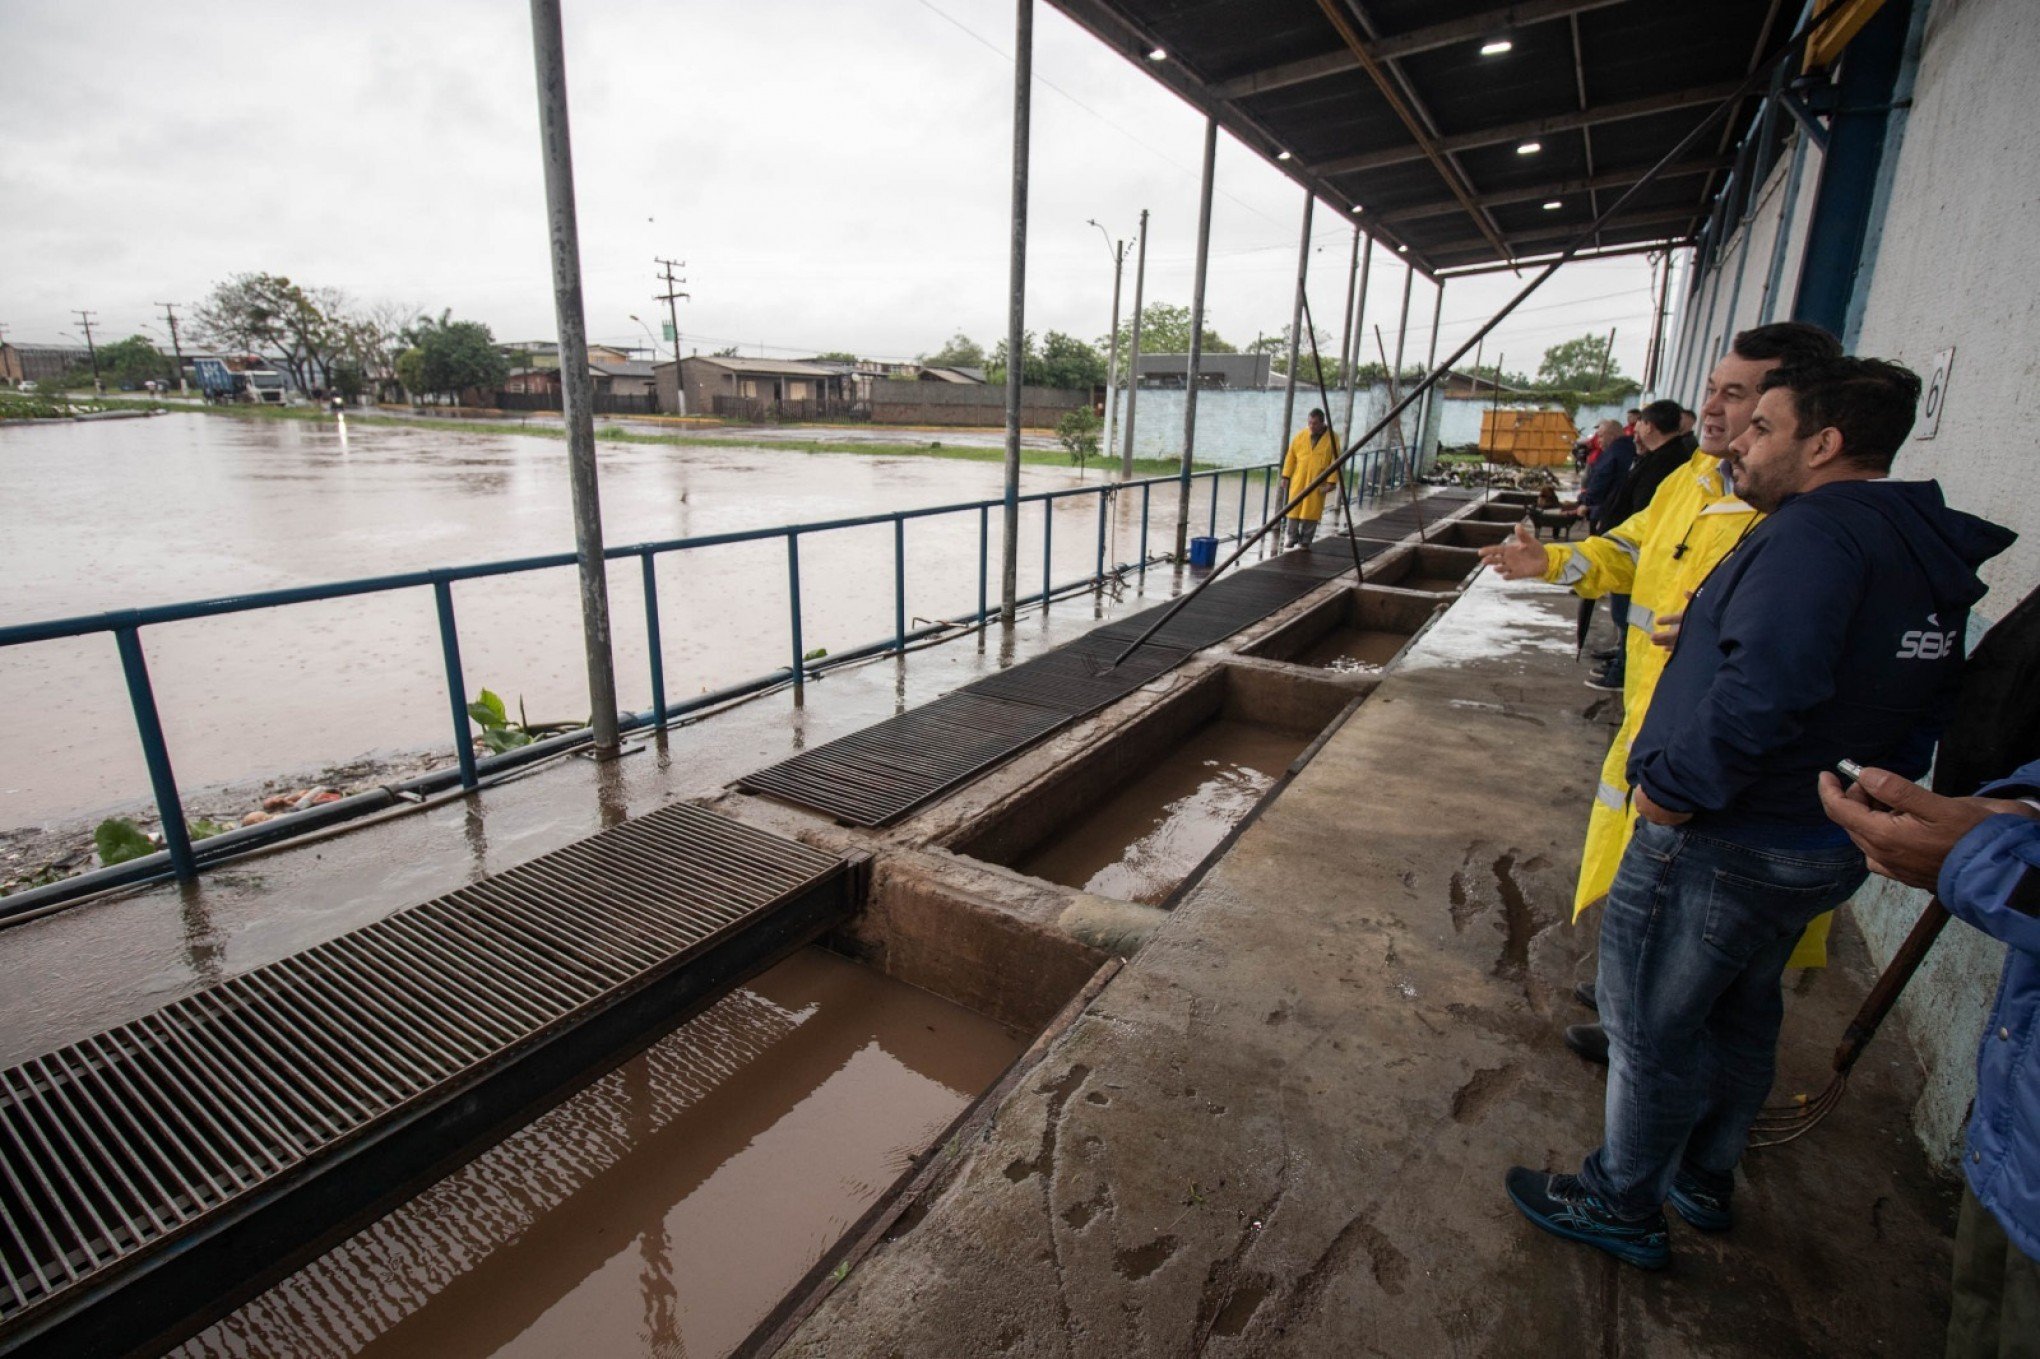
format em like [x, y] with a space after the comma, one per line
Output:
[1203, 553]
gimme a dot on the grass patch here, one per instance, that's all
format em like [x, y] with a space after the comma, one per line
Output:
[616, 434]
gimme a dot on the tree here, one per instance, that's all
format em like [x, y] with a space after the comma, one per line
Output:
[1165, 329]
[1068, 362]
[1582, 365]
[269, 315]
[133, 361]
[1033, 372]
[960, 352]
[728, 351]
[837, 356]
[450, 357]
[1077, 432]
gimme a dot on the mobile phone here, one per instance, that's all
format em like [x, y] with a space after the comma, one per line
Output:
[1849, 770]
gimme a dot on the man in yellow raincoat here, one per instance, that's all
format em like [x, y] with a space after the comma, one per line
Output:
[1310, 453]
[1659, 555]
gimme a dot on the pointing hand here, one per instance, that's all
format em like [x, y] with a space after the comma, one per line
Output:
[1520, 558]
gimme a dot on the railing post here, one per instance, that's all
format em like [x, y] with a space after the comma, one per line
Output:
[1047, 550]
[156, 752]
[1146, 488]
[652, 643]
[1104, 495]
[456, 682]
[984, 564]
[793, 604]
[1211, 527]
[1240, 533]
[1267, 492]
[899, 583]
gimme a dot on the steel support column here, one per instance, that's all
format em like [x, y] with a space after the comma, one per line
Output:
[1295, 331]
[577, 388]
[1016, 306]
[1774, 279]
[1133, 349]
[1359, 321]
[1196, 340]
[1428, 412]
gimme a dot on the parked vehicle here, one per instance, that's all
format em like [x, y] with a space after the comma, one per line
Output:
[261, 386]
[215, 379]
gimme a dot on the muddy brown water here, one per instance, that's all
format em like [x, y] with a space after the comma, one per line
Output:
[1141, 842]
[666, 1209]
[1435, 584]
[1353, 649]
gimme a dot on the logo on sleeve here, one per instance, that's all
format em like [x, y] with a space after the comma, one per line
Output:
[1929, 643]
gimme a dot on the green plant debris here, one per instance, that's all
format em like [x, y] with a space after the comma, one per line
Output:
[817, 654]
[118, 839]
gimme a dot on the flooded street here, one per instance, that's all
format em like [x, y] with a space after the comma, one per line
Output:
[664, 1210]
[137, 512]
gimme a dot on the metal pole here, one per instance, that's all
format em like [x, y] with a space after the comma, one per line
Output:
[1776, 278]
[1145, 488]
[1296, 328]
[1359, 320]
[1346, 338]
[456, 682]
[156, 752]
[1656, 359]
[1103, 498]
[1402, 334]
[1133, 352]
[899, 583]
[577, 389]
[793, 611]
[652, 642]
[984, 564]
[1016, 305]
[1047, 550]
[1196, 340]
[1112, 363]
[1427, 418]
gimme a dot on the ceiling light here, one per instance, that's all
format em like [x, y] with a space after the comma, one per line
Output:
[1496, 48]
[1529, 148]
[1357, 208]
[1282, 155]
[1157, 54]
[1553, 206]
[1403, 249]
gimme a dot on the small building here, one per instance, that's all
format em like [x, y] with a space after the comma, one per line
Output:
[749, 388]
[1215, 372]
[621, 377]
[534, 381]
[39, 362]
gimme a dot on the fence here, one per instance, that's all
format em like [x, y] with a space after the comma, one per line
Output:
[757, 409]
[1370, 475]
[606, 403]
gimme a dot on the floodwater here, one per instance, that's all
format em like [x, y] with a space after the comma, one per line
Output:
[1435, 584]
[665, 1210]
[1141, 842]
[110, 515]
[1353, 649]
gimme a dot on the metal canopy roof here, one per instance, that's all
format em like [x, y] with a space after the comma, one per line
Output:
[1426, 142]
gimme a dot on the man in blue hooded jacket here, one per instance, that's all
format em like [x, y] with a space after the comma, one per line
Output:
[1832, 631]
[1982, 853]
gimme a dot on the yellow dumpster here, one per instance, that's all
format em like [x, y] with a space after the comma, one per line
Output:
[1527, 438]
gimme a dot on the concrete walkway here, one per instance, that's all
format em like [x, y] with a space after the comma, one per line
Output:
[1282, 1128]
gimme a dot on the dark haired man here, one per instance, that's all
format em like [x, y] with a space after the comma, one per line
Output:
[1834, 630]
[1657, 556]
[1661, 450]
[1310, 453]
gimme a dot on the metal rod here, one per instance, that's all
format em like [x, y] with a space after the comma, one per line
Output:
[1047, 548]
[1428, 412]
[1241, 530]
[984, 563]
[1196, 335]
[156, 753]
[456, 682]
[1112, 363]
[1359, 319]
[1146, 489]
[1295, 322]
[1103, 502]
[1345, 507]
[652, 642]
[793, 606]
[576, 385]
[1133, 359]
[899, 582]
[1016, 304]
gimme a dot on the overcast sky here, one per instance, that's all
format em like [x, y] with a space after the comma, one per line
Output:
[835, 175]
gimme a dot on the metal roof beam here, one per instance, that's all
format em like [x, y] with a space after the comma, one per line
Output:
[1667, 102]
[1630, 222]
[1613, 179]
[1480, 265]
[1400, 45]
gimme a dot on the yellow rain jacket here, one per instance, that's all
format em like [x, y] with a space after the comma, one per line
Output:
[1655, 556]
[1308, 459]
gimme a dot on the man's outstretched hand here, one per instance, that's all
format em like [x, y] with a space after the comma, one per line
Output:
[1520, 558]
[1904, 830]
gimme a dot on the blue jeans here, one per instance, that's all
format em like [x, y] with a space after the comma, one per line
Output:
[1695, 933]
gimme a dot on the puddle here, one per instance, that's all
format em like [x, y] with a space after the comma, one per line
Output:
[667, 1208]
[1348, 650]
[1144, 839]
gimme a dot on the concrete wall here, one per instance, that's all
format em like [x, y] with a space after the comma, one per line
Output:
[1949, 266]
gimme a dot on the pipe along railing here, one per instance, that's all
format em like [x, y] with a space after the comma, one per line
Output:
[183, 857]
[1758, 77]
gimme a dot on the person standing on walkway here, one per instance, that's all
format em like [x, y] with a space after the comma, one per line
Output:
[1310, 453]
[1833, 631]
[1659, 555]
[1661, 450]
[1982, 856]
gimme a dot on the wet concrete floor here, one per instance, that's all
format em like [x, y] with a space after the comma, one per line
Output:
[1352, 649]
[1141, 842]
[213, 506]
[665, 1210]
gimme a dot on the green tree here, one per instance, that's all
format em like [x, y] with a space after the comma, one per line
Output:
[1077, 432]
[267, 314]
[1583, 365]
[1165, 329]
[1068, 362]
[960, 352]
[133, 361]
[837, 356]
[1033, 370]
[452, 357]
[726, 352]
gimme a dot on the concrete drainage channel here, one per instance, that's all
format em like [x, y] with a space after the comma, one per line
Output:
[684, 1201]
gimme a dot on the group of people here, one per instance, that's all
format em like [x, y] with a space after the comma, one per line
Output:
[1788, 608]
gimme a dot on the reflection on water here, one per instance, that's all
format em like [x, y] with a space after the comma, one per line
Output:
[667, 1208]
[135, 512]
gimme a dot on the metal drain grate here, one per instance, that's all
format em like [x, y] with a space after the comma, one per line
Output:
[117, 1147]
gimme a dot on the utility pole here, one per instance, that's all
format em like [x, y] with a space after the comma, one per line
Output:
[1118, 249]
[85, 321]
[671, 297]
[1196, 342]
[176, 345]
[1133, 350]
[577, 390]
[1016, 313]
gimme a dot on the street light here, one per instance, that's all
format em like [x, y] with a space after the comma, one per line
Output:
[1118, 252]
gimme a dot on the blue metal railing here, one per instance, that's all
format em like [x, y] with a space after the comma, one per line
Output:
[1370, 476]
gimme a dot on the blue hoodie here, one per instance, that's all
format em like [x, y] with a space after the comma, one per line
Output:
[1834, 630]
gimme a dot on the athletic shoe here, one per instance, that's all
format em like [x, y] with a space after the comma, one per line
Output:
[1589, 1041]
[1610, 654]
[1607, 679]
[1561, 1205]
[1701, 1209]
[1584, 994]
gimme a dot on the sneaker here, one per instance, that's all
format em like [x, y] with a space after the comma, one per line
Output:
[1561, 1205]
[1589, 1041]
[1607, 679]
[1708, 1212]
[1584, 993]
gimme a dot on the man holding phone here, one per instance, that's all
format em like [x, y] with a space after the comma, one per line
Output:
[1833, 630]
